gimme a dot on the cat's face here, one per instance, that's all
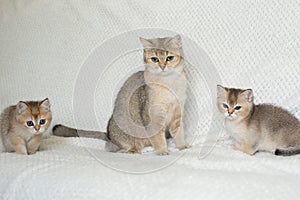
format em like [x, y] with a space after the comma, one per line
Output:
[163, 55]
[234, 103]
[34, 116]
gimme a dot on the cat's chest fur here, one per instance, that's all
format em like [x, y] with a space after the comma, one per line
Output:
[237, 130]
[167, 88]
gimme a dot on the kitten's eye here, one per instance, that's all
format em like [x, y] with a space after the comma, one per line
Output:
[29, 123]
[237, 107]
[225, 105]
[155, 59]
[42, 121]
[170, 58]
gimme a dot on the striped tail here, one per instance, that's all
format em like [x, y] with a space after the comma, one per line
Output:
[287, 151]
[64, 131]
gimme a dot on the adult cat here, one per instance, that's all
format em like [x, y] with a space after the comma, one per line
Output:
[150, 104]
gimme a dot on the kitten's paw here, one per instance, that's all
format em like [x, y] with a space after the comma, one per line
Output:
[162, 152]
[22, 152]
[134, 151]
[30, 152]
[186, 146]
[123, 151]
[130, 151]
[250, 151]
[246, 149]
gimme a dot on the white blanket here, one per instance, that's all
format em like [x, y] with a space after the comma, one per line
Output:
[45, 47]
[77, 169]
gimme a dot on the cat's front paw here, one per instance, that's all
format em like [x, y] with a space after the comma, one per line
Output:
[31, 151]
[22, 152]
[162, 152]
[247, 149]
[130, 151]
[20, 149]
[186, 146]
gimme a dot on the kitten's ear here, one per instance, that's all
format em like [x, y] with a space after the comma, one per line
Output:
[146, 43]
[45, 104]
[176, 41]
[21, 107]
[248, 94]
[220, 91]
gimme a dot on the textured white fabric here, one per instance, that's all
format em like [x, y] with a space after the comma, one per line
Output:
[250, 44]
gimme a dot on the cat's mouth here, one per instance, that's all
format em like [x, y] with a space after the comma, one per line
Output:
[164, 72]
[230, 117]
[36, 132]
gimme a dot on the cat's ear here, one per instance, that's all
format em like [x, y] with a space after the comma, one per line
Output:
[146, 43]
[45, 104]
[220, 91]
[248, 95]
[21, 107]
[176, 41]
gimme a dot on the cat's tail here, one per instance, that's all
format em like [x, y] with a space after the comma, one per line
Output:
[64, 131]
[287, 151]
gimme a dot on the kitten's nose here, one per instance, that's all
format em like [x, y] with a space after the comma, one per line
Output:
[230, 112]
[163, 67]
[37, 128]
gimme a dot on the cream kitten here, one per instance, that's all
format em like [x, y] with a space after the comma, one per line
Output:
[150, 104]
[23, 125]
[258, 127]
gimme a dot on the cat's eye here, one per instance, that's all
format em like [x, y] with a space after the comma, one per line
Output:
[225, 106]
[29, 123]
[42, 121]
[170, 58]
[155, 59]
[237, 107]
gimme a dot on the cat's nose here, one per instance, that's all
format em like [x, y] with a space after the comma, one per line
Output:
[163, 67]
[230, 112]
[37, 128]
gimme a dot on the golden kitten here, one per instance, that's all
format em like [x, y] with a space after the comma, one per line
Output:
[258, 127]
[23, 125]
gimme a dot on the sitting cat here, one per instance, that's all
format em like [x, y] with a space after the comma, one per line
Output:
[23, 125]
[258, 127]
[150, 104]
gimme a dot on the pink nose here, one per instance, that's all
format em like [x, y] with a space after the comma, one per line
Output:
[230, 113]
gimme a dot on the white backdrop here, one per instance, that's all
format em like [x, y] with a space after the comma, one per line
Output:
[251, 44]
[43, 45]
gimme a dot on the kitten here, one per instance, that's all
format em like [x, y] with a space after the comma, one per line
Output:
[23, 125]
[149, 105]
[258, 127]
